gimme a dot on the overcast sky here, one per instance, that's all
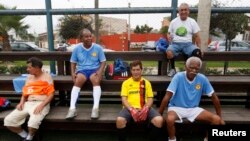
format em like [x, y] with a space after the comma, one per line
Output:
[38, 23]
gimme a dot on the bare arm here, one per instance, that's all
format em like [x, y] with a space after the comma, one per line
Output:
[216, 103]
[149, 102]
[197, 39]
[23, 99]
[101, 68]
[125, 102]
[21, 103]
[165, 101]
[73, 70]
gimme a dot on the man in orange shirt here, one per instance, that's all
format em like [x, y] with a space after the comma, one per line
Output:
[35, 101]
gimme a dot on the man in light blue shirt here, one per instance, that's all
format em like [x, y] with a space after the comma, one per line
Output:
[183, 97]
[87, 63]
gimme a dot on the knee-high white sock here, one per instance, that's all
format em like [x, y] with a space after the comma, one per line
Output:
[96, 96]
[74, 96]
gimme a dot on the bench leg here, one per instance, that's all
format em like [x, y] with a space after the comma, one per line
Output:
[63, 98]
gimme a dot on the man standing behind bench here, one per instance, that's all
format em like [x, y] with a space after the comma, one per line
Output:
[87, 63]
[137, 99]
[38, 92]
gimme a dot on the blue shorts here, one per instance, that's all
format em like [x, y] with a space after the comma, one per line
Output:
[87, 73]
[184, 48]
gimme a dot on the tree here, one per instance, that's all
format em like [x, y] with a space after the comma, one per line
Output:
[230, 24]
[24, 35]
[70, 26]
[11, 22]
[143, 29]
[137, 29]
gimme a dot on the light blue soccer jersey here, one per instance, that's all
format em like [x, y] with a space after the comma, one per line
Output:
[87, 59]
[187, 94]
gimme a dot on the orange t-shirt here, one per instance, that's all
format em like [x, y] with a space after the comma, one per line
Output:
[38, 88]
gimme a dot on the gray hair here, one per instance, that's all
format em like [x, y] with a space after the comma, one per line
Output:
[183, 5]
[193, 59]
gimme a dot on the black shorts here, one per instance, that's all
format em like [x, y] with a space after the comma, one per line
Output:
[126, 114]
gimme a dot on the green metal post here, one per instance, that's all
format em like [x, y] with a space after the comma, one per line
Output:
[174, 6]
[50, 33]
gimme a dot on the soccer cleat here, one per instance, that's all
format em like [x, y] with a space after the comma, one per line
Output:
[95, 113]
[71, 114]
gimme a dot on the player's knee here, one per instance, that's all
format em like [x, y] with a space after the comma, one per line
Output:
[120, 122]
[158, 121]
[216, 120]
[197, 53]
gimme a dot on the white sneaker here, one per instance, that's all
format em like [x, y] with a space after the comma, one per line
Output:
[171, 72]
[95, 113]
[71, 114]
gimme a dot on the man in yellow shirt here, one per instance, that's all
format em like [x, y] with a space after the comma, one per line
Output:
[137, 99]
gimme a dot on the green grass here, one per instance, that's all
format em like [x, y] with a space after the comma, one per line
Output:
[23, 63]
[179, 64]
[239, 64]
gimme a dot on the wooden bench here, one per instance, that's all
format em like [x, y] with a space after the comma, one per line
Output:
[232, 84]
[55, 121]
[236, 114]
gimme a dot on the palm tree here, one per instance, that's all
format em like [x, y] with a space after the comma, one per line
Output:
[11, 22]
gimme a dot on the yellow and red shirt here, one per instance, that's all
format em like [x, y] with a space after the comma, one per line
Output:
[131, 90]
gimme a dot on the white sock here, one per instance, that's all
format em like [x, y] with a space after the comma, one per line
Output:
[74, 96]
[172, 139]
[29, 137]
[23, 134]
[96, 96]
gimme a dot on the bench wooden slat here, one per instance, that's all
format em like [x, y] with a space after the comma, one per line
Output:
[108, 113]
[159, 83]
[126, 55]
